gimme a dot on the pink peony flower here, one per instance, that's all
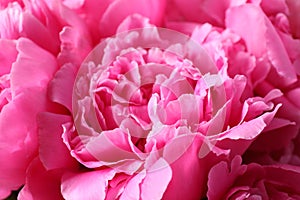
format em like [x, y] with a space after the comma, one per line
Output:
[140, 111]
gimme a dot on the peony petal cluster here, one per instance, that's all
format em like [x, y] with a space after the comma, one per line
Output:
[149, 99]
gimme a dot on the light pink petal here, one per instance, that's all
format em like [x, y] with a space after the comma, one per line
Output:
[132, 22]
[10, 21]
[86, 185]
[41, 184]
[250, 129]
[61, 86]
[132, 191]
[34, 66]
[8, 56]
[156, 181]
[253, 36]
[153, 9]
[51, 143]
[75, 45]
[74, 4]
[115, 146]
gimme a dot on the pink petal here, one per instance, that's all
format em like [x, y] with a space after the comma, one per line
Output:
[51, 142]
[34, 30]
[61, 86]
[221, 178]
[132, 190]
[294, 7]
[4, 192]
[115, 146]
[8, 56]
[74, 4]
[281, 175]
[18, 138]
[34, 66]
[10, 23]
[185, 168]
[94, 184]
[156, 181]
[132, 22]
[75, 45]
[262, 40]
[253, 36]
[277, 6]
[211, 11]
[41, 184]
[153, 9]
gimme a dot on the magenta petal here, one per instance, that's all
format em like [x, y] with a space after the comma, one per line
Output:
[34, 30]
[50, 137]
[221, 178]
[94, 184]
[285, 175]
[183, 184]
[41, 184]
[212, 11]
[8, 56]
[294, 7]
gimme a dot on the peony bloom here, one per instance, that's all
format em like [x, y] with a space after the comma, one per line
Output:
[143, 104]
